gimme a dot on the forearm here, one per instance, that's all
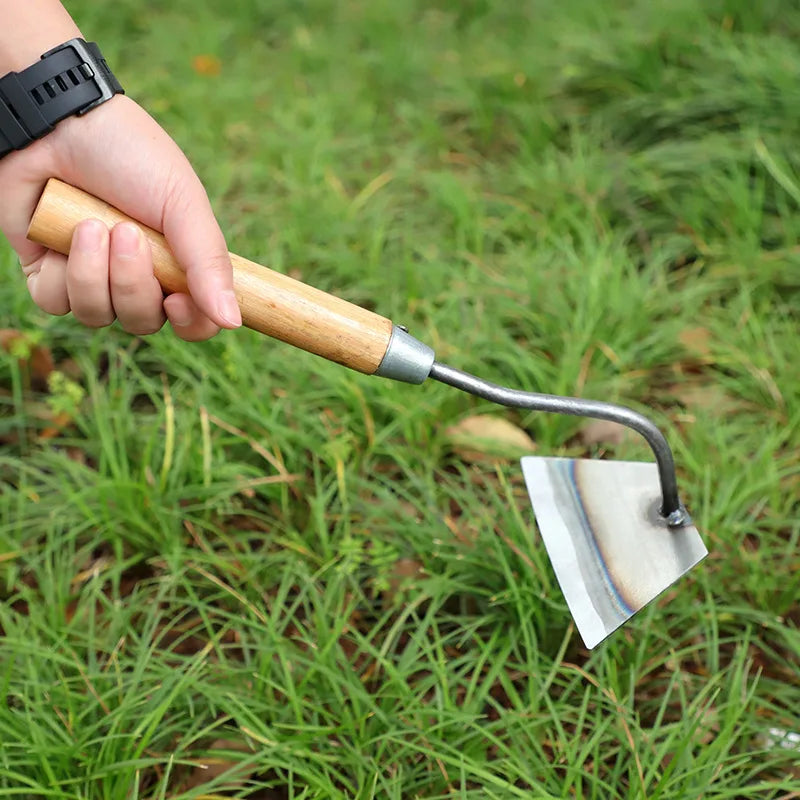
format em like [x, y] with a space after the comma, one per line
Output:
[28, 28]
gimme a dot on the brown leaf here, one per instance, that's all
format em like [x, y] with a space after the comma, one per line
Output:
[41, 365]
[35, 359]
[705, 397]
[206, 64]
[476, 437]
[404, 571]
[9, 337]
[211, 767]
[604, 432]
[59, 422]
[697, 341]
[71, 369]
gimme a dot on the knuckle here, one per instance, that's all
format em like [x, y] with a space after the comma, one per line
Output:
[136, 280]
[126, 286]
[218, 263]
[81, 280]
[181, 186]
[30, 267]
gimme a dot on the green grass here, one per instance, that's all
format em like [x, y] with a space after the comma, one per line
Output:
[590, 198]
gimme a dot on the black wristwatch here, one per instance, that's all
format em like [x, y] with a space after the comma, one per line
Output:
[72, 78]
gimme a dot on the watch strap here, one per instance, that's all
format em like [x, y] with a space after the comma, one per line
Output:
[70, 79]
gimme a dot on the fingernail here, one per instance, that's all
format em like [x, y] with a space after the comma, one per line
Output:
[89, 236]
[126, 240]
[228, 309]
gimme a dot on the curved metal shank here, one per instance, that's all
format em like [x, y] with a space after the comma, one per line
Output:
[671, 508]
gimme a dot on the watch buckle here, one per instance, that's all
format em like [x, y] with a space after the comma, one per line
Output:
[99, 72]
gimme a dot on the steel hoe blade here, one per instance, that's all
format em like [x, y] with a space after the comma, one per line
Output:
[611, 550]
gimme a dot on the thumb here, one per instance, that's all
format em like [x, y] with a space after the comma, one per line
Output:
[197, 242]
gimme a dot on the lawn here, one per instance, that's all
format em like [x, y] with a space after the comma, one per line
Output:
[233, 569]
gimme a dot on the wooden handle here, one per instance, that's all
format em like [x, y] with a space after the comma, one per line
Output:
[271, 302]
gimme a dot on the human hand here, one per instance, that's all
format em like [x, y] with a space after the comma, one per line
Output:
[117, 152]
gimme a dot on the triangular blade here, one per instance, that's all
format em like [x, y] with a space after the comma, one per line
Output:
[611, 551]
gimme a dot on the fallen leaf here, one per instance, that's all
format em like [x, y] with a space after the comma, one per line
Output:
[705, 397]
[35, 359]
[214, 766]
[403, 572]
[697, 341]
[59, 422]
[9, 337]
[41, 365]
[603, 431]
[71, 369]
[476, 437]
[205, 64]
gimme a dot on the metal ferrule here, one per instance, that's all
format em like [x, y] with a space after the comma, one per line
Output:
[406, 359]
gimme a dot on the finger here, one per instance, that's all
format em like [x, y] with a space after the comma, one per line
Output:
[23, 177]
[87, 275]
[136, 295]
[187, 320]
[47, 283]
[199, 246]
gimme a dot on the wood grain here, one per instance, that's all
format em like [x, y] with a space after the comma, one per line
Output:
[271, 302]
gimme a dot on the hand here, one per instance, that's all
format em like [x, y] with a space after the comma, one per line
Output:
[120, 154]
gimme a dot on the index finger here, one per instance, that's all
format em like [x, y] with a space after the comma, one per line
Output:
[199, 246]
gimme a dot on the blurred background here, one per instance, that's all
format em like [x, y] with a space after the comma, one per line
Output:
[231, 569]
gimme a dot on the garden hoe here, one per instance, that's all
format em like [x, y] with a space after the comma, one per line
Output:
[616, 532]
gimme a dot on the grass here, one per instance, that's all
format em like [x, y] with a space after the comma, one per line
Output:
[231, 570]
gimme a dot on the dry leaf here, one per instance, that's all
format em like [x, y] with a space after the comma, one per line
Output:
[404, 571]
[8, 337]
[476, 437]
[697, 341]
[59, 421]
[71, 369]
[705, 396]
[35, 359]
[603, 431]
[41, 365]
[211, 767]
[206, 65]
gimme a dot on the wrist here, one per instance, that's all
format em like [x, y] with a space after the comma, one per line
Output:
[31, 28]
[72, 79]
